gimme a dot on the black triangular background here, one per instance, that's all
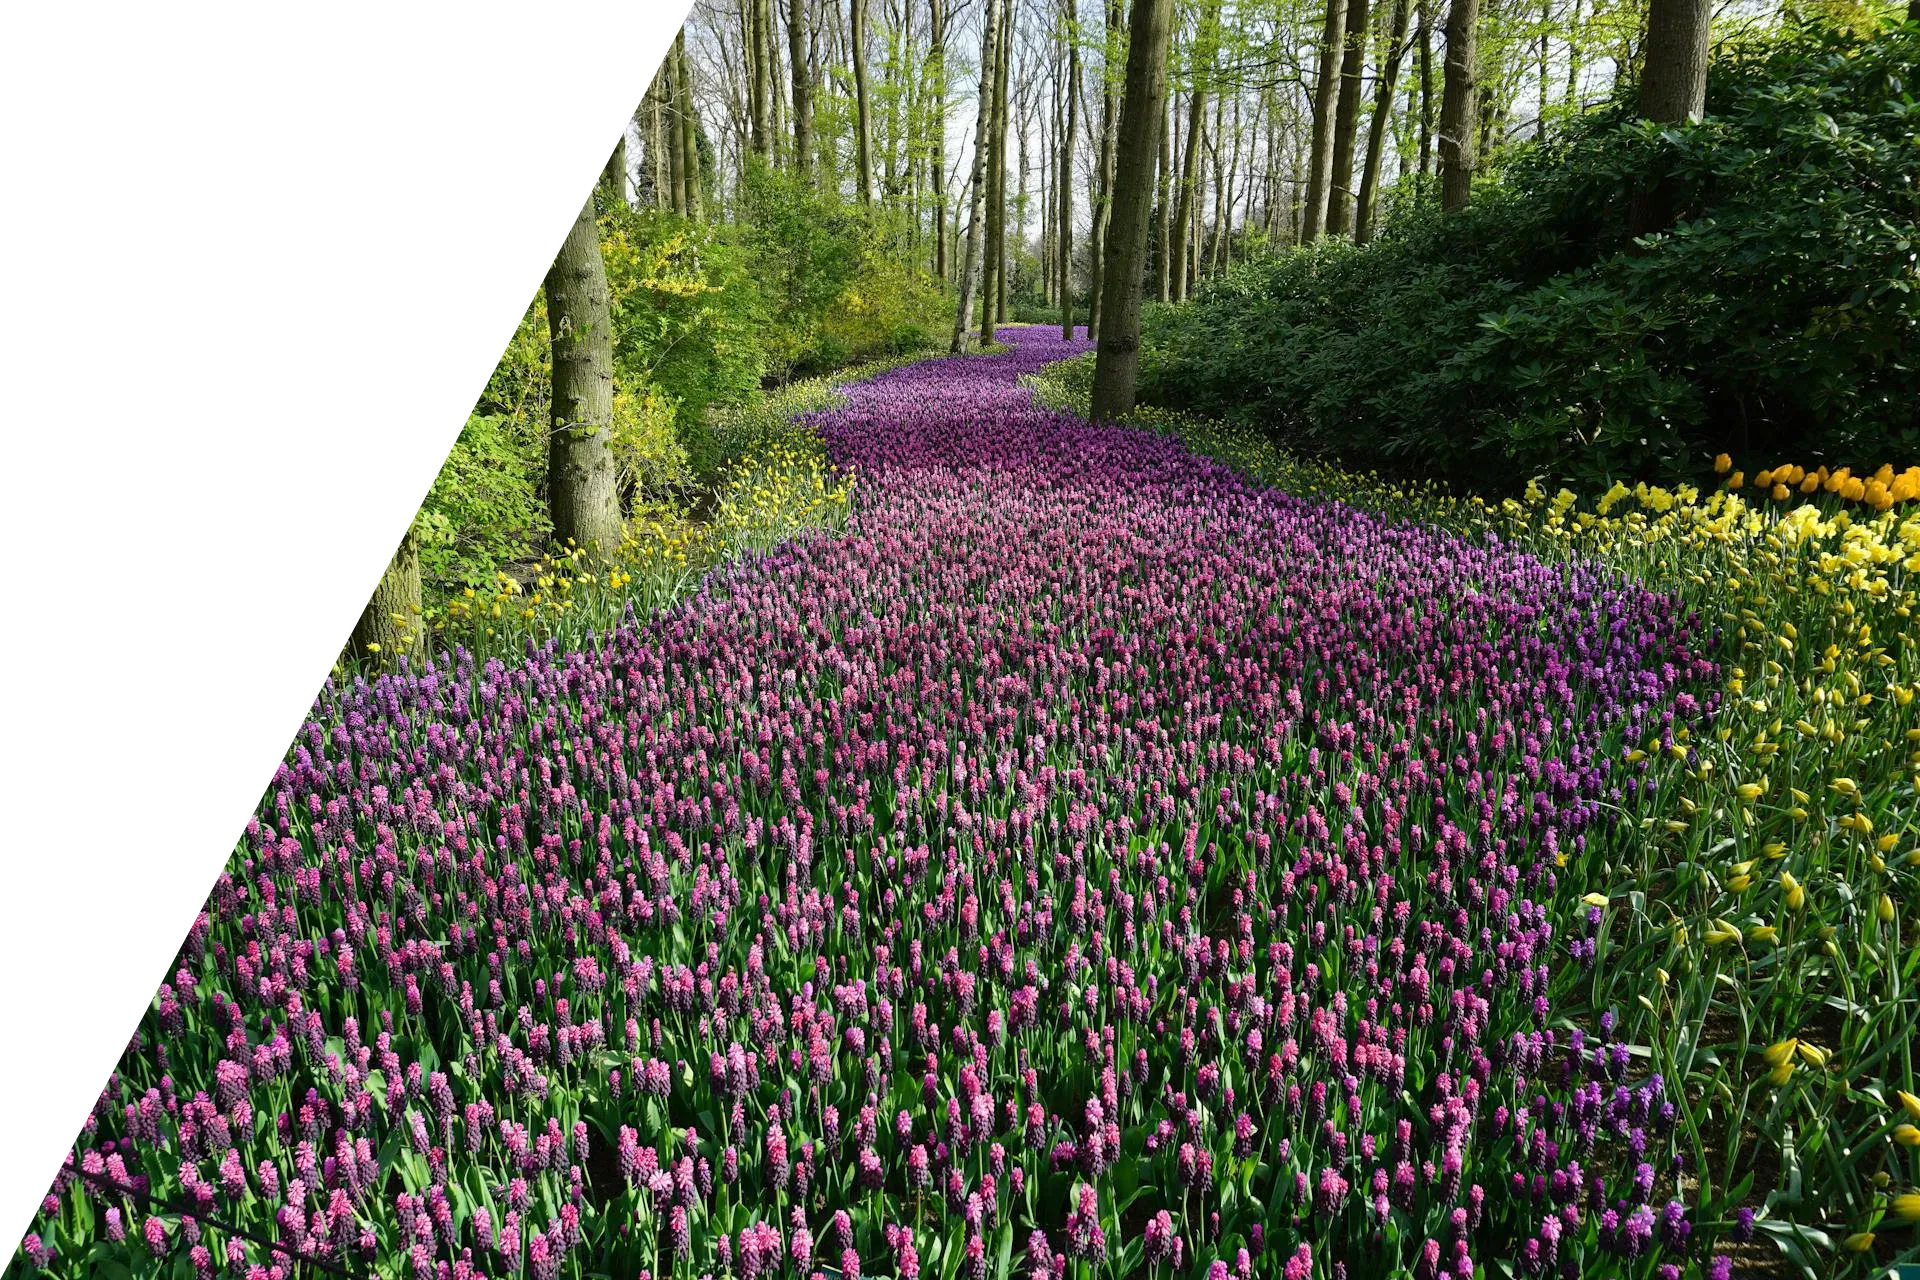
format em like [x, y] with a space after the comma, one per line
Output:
[302, 260]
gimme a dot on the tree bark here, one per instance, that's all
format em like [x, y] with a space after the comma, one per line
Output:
[1377, 131]
[1326, 97]
[613, 179]
[977, 183]
[1118, 360]
[689, 129]
[1163, 210]
[1183, 218]
[393, 625]
[863, 126]
[1346, 120]
[582, 489]
[802, 76]
[1673, 83]
[676, 133]
[1457, 103]
[1426, 87]
[761, 29]
[996, 245]
[1103, 183]
[1066, 168]
[937, 86]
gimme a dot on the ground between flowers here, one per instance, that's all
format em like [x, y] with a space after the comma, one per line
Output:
[1090, 862]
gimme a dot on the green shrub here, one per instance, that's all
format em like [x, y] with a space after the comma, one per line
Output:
[1776, 315]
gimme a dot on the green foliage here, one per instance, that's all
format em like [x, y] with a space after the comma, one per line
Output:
[836, 286]
[486, 505]
[1775, 315]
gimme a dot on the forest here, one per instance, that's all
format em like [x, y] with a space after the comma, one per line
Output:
[1103, 639]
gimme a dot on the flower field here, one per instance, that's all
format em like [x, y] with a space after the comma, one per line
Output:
[1108, 850]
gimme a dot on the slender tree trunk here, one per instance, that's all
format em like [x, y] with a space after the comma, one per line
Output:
[1346, 120]
[1002, 127]
[1163, 207]
[1377, 131]
[937, 88]
[762, 77]
[1184, 217]
[863, 126]
[1540, 58]
[689, 129]
[613, 180]
[1071, 130]
[1117, 363]
[1426, 87]
[1573, 58]
[1457, 103]
[977, 184]
[1326, 98]
[802, 76]
[663, 196]
[996, 244]
[1103, 184]
[582, 489]
[393, 625]
[676, 133]
[1019, 207]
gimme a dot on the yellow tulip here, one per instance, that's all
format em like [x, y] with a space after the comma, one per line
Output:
[1858, 1242]
[1884, 908]
[1906, 1135]
[1722, 464]
[1906, 1206]
[1780, 1074]
[1908, 1102]
[1813, 1054]
[1796, 896]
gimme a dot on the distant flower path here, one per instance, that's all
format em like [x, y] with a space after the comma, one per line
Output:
[1090, 854]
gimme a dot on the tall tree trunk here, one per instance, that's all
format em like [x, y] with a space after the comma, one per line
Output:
[762, 65]
[996, 244]
[1326, 98]
[1540, 57]
[1118, 361]
[1184, 217]
[1071, 130]
[1346, 120]
[863, 118]
[937, 88]
[1457, 103]
[1673, 90]
[676, 132]
[1002, 125]
[977, 183]
[613, 179]
[657, 145]
[393, 625]
[1019, 209]
[689, 129]
[1103, 184]
[582, 489]
[802, 76]
[1163, 207]
[1573, 58]
[1426, 87]
[1377, 131]
[1673, 83]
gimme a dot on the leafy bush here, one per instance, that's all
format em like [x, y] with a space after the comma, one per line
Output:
[1532, 333]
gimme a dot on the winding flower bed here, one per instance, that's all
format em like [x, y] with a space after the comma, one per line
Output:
[1089, 862]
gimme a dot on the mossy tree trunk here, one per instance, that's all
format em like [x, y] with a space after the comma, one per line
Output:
[1136, 150]
[1326, 100]
[977, 183]
[393, 626]
[582, 480]
[1346, 120]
